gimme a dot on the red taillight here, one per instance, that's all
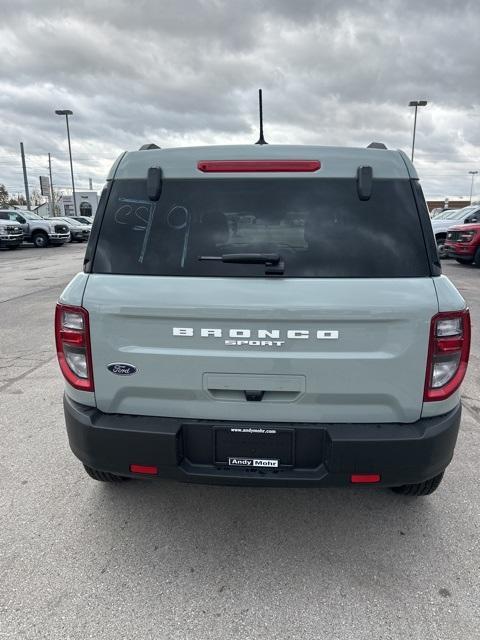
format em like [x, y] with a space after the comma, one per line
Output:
[72, 336]
[239, 166]
[448, 352]
[364, 478]
[142, 468]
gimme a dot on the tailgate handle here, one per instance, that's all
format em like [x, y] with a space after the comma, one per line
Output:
[254, 396]
[244, 387]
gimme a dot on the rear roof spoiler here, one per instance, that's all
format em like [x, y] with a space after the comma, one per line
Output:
[148, 146]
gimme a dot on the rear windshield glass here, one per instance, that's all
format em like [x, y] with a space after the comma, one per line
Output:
[320, 228]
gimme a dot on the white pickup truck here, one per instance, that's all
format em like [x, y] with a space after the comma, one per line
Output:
[11, 234]
[36, 229]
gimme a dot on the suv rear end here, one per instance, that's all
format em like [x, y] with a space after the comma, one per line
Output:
[263, 315]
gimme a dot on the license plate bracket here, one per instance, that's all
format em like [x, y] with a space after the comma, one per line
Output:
[254, 442]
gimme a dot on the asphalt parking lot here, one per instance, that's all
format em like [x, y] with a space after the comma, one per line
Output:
[165, 560]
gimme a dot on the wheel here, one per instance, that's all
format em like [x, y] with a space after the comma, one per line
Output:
[40, 240]
[464, 260]
[477, 258]
[103, 476]
[420, 489]
[442, 252]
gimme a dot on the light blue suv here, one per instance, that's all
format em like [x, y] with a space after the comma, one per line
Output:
[263, 315]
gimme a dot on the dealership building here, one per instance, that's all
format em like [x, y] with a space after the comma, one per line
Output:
[87, 203]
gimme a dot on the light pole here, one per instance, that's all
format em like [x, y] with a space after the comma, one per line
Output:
[416, 104]
[66, 113]
[473, 174]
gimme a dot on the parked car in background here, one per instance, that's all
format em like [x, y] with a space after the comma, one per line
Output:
[87, 221]
[442, 224]
[463, 244]
[442, 213]
[38, 230]
[79, 231]
[11, 234]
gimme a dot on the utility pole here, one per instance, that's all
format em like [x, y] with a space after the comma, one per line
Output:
[473, 174]
[25, 179]
[52, 201]
[90, 184]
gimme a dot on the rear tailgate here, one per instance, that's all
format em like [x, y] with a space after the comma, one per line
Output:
[339, 334]
[356, 351]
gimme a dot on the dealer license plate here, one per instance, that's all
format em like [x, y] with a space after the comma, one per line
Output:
[254, 446]
[253, 462]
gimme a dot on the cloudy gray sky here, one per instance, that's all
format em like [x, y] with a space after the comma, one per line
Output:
[186, 72]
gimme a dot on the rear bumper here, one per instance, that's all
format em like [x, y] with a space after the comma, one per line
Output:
[322, 454]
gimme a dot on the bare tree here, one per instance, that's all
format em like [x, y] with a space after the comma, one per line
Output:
[19, 201]
[36, 198]
[3, 196]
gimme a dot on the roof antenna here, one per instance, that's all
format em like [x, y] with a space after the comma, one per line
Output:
[261, 139]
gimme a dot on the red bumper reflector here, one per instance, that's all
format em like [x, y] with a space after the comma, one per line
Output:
[364, 478]
[141, 468]
[239, 166]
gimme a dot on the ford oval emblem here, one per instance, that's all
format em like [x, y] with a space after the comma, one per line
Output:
[122, 368]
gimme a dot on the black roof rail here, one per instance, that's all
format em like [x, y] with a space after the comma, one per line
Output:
[377, 145]
[150, 145]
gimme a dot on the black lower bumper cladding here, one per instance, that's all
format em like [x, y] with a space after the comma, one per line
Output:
[300, 454]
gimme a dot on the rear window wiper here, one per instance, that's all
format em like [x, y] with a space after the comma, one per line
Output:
[273, 262]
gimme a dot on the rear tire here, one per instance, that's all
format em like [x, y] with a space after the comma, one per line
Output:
[477, 258]
[420, 489]
[103, 476]
[40, 240]
[464, 260]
